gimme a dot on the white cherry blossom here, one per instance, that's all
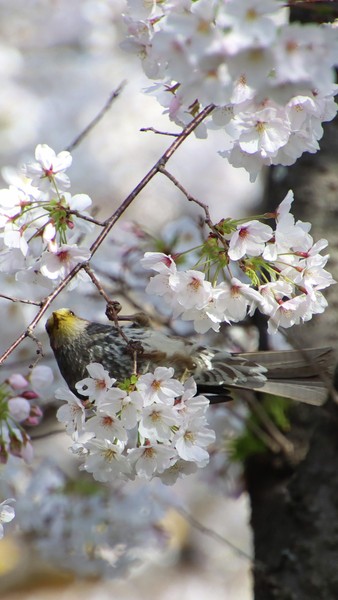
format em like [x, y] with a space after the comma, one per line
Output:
[96, 385]
[59, 263]
[211, 314]
[157, 422]
[49, 167]
[105, 460]
[159, 386]
[191, 289]
[288, 313]
[72, 414]
[128, 434]
[192, 438]
[158, 261]
[106, 427]
[249, 238]
[246, 59]
[151, 458]
[239, 299]
[128, 406]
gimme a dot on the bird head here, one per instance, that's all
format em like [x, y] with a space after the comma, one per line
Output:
[63, 325]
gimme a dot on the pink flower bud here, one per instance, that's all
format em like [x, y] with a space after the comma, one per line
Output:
[35, 416]
[17, 381]
[29, 395]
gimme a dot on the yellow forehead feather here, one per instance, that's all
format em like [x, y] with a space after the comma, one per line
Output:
[63, 323]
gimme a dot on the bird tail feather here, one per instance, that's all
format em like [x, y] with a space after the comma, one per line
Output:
[302, 375]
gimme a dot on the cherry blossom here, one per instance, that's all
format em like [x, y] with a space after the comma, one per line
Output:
[106, 426]
[191, 439]
[127, 406]
[59, 263]
[209, 315]
[159, 386]
[105, 460]
[143, 432]
[151, 458]
[157, 422]
[72, 414]
[7, 514]
[261, 72]
[249, 238]
[239, 298]
[287, 313]
[96, 385]
[191, 288]
[49, 167]
[158, 261]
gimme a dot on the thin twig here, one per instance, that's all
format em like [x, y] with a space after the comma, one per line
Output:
[108, 224]
[112, 311]
[202, 205]
[39, 351]
[265, 437]
[98, 117]
[211, 533]
[13, 299]
[187, 195]
[77, 213]
[113, 307]
[284, 444]
[159, 132]
[140, 316]
[96, 282]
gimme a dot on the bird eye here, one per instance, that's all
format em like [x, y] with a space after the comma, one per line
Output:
[71, 313]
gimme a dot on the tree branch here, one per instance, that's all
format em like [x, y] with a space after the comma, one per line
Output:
[96, 119]
[108, 224]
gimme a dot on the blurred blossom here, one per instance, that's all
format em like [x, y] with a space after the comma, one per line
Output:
[49, 168]
[73, 527]
[40, 378]
[7, 514]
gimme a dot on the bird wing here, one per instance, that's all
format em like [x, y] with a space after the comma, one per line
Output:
[300, 375]
[287, 364]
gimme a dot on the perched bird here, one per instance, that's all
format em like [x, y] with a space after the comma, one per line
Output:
[294, 374]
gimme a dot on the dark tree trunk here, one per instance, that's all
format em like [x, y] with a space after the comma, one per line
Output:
[295, 500]
[295, 518]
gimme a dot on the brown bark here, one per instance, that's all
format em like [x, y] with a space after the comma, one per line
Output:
[295, 501]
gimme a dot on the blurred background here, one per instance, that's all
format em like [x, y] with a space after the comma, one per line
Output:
[59, 63]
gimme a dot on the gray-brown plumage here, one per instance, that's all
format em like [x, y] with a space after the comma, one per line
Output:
[76, 342]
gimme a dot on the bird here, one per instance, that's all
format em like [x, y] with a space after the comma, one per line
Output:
[299, 375]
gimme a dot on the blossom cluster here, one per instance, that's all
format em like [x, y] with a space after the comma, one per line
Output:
[19, 410]
[272, 82]
[92, 530]
[155, 428]
[39, 222]
[283, 270]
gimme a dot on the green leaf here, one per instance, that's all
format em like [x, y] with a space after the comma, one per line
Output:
[248, 443]
[277, 409]
[245, 445]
